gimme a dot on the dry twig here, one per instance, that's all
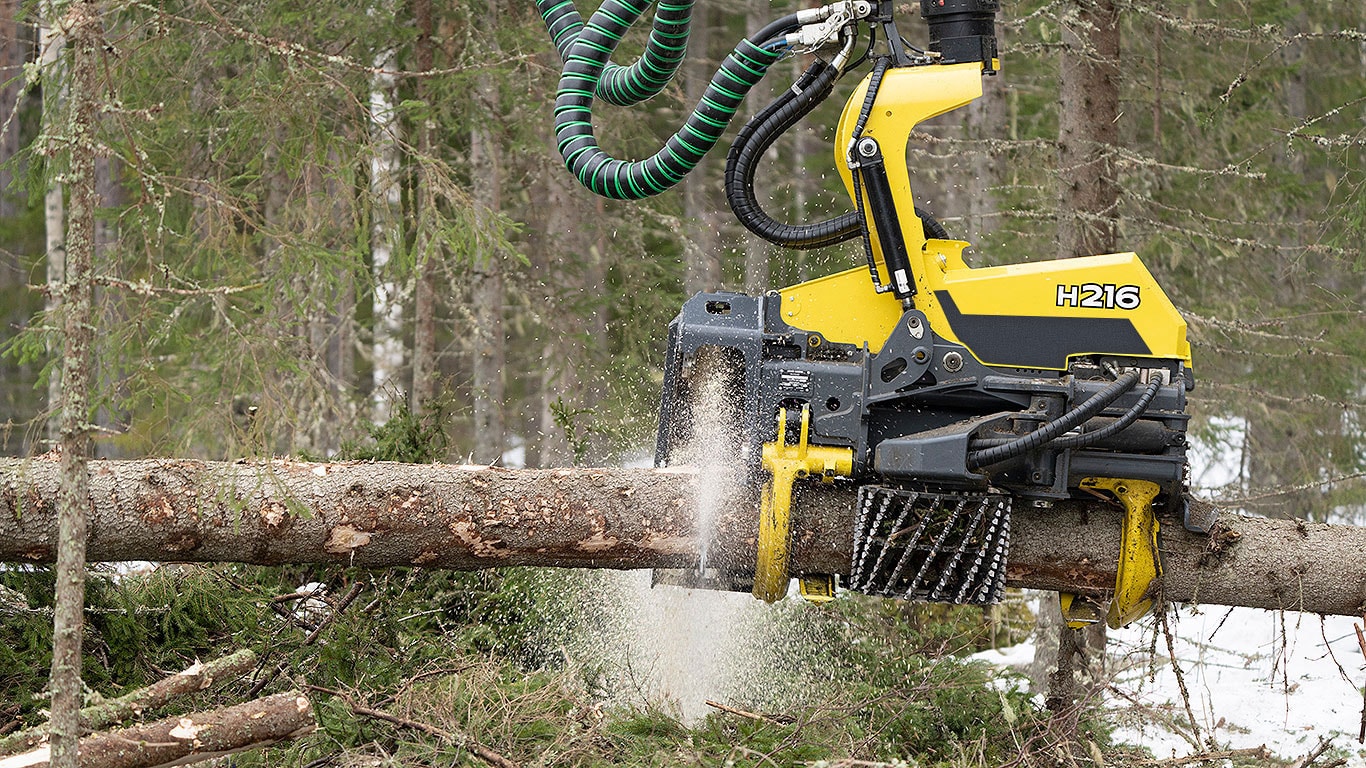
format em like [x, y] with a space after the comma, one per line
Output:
[1361, 641]
[1259, 753]
[741, 712]
[462, 740]
[1304, 762]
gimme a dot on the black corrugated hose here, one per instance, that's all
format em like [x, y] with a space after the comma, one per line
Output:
[1050, 431]
[754, 140]
[584, 61]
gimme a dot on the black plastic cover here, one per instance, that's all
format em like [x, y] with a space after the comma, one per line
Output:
[962, 30]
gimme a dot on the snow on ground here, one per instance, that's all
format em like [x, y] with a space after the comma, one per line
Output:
[1255, 678]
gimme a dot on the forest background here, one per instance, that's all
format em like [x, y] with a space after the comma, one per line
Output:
[315, 221]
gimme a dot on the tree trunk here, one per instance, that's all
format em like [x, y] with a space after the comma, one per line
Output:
[379, 515]
[386, 343]
[570, 287]
[756, 248]
[1088, 131]
[701, 252]
[486, 272]
[13, 52]
[1088, 128]
[50, 43]
[109, 304]
[191, 738]
[82, 24]
[424, 304]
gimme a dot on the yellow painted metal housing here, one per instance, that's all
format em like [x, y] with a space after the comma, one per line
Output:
[963, 304]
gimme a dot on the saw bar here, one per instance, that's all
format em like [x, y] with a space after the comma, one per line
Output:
[936, 547]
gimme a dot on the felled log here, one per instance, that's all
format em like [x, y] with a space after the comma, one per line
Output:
[197, 677]
[380, 515]
[190, 738]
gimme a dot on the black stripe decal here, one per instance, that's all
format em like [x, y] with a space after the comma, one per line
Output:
[1040, 342]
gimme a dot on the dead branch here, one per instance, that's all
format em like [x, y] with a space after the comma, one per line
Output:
[1259, 753]
[741, 712]
[461, 740]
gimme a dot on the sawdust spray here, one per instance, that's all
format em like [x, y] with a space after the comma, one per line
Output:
[674, 647]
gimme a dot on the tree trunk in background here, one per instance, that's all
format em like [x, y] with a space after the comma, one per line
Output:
[701, 248]
[756, 248]
[1088, 132]
[972, 173]
[12, 54]
[110, 194]
[424, 302]
[571, 277]
[1088, 128]
[386, 233]
[19, 399]
[331, 318]
[82, 22]
[54, 215]
[487, 335]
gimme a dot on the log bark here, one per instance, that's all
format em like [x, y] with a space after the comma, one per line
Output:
[190, 738]
[379, 515]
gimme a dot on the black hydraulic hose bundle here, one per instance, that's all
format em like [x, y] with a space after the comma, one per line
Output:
[1115, 427]
[753, 141]
[585, 51]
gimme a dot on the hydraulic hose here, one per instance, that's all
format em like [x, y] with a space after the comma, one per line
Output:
[742, 163]
[1086, 439]
[1115, 427]
[627, 85]
[584, 62]
[1050, 431]
[753, 142]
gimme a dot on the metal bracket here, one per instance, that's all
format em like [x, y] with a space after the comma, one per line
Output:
[785, 464]
[822, 25]
[1139, 561]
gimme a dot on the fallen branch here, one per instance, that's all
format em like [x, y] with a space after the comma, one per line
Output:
[1258, 753]
[741, 712]
[191, 738]
[461, 740]
[381, 515]
[97, 716]
[1304, 762]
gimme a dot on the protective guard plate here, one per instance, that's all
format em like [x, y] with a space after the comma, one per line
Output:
[937, 547]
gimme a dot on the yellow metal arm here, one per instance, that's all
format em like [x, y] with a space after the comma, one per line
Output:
[786, 463]
[1139, 562]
